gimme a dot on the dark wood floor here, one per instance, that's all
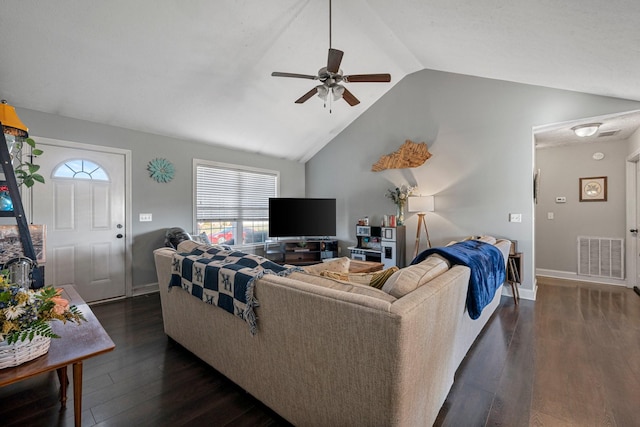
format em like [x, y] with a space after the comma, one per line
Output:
[570, 359]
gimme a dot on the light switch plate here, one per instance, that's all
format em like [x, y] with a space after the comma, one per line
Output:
[146, 217]
[515, 217]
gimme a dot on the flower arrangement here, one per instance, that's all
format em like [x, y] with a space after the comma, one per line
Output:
[399, 197]
[25, 314]
[400, 194]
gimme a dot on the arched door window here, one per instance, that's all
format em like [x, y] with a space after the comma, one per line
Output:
[80, 169]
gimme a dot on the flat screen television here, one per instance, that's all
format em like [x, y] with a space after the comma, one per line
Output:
[302, 217]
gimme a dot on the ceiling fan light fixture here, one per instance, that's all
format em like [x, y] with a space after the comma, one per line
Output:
[337, 90]
[323, 92]
[585, 130]
[331, 76]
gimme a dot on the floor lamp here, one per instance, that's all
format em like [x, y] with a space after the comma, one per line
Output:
[421, 204]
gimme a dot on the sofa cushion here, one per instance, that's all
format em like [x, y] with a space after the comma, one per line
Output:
[410, 278]
[353, 288]
[375, 279]
[340, 265]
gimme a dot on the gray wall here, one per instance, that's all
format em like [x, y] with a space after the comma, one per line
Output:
[170, 203]
[480, 133]
[560, 170]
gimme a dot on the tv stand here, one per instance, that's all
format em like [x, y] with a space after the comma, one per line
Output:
[300, 251]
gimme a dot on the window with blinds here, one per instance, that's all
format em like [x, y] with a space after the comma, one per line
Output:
[232, 202]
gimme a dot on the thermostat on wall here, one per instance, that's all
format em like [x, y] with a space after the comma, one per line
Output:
[561, 199]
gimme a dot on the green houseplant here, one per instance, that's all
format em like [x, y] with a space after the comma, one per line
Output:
[26, 171]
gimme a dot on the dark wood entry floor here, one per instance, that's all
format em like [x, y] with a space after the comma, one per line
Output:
[571, 358]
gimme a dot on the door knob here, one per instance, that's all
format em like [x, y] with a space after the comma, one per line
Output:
[634, 230]
[119, 236]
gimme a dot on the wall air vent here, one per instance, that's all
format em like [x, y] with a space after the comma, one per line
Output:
[601, 256]
[608, 133]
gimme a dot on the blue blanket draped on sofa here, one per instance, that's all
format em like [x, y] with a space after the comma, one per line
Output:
[487, 270]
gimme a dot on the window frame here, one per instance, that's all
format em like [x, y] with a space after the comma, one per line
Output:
[228, 166]
[80, 175]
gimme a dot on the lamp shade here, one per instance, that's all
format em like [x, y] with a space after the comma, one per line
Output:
[421, 204]
[11, 123]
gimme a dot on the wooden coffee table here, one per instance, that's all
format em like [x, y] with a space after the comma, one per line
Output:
[76, 343]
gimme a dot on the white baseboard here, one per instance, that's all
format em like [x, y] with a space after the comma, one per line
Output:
[569, 275]
[524, 293]
[146, 289]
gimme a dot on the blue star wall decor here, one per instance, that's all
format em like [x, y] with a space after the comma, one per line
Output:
[161, 170]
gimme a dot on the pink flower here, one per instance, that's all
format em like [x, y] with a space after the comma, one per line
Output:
[61, 305]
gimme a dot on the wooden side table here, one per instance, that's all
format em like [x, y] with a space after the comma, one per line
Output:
[514, 274]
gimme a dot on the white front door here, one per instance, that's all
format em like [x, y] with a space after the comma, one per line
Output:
[82, 204]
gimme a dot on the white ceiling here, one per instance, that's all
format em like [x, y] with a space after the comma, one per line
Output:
[200, 69]
[612, 128]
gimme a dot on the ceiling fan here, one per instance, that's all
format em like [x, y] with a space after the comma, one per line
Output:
[332, 77]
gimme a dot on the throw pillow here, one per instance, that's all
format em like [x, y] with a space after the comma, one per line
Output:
[340, 265]
[376, 279]
[410, 278]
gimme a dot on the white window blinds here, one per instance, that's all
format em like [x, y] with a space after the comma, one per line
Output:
[232, 193]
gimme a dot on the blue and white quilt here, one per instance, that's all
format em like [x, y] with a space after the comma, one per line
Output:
[224, 277]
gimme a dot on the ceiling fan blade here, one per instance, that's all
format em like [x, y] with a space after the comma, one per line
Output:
[367, 78]
[335, 58]
[348, 96]
[307, 95]
[298, 76]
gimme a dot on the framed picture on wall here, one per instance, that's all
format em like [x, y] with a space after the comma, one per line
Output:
[593, 189]
[11, 245]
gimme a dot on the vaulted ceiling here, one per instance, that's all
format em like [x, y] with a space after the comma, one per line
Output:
[201, 69]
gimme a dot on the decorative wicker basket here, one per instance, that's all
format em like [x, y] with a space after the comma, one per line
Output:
[22, 351]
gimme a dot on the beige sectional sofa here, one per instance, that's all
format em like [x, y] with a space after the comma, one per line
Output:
[334, 353]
